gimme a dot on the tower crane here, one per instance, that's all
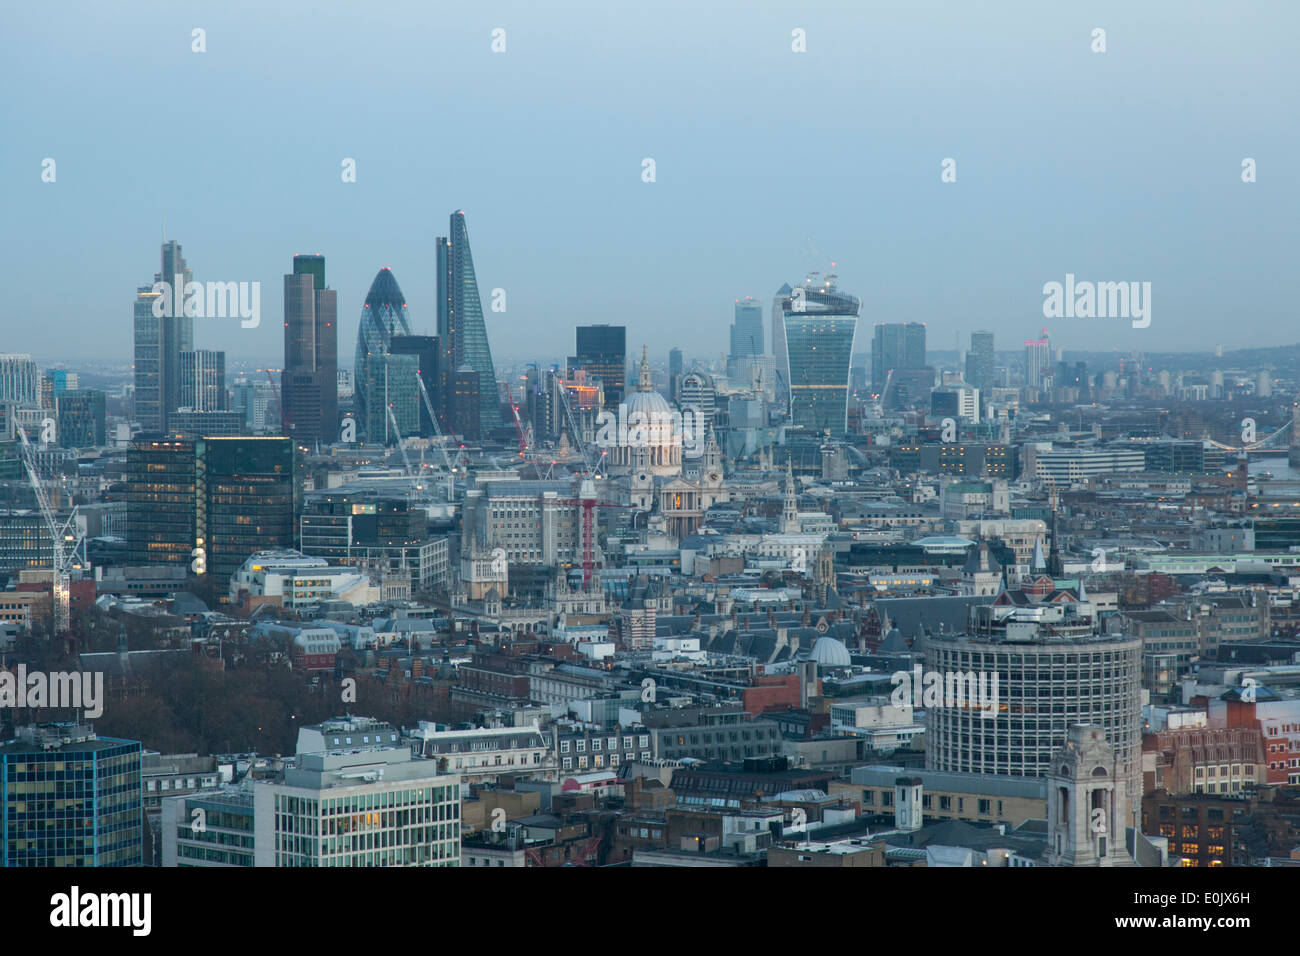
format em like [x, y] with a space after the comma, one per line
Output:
[66, 542]
[519, 427]
[588, 502]
[401, 445]
[442, 441]
[591, 466]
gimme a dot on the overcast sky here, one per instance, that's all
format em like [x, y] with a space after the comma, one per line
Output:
[1117, 166]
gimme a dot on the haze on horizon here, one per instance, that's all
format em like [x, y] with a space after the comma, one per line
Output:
[1115, 166]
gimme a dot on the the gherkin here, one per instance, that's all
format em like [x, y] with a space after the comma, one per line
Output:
[461, 331]
[381, 377]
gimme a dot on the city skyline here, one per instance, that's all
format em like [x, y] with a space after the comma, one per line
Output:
[563, 230]
[859, 436]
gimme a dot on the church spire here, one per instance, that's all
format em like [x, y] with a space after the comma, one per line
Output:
[790, 510]
[643, 381]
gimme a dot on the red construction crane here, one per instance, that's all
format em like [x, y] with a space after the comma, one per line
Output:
[587, 501]
[519, 428]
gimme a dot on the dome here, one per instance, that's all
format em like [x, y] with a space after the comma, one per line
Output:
[646, 434]
[829, 652]
[648, 404]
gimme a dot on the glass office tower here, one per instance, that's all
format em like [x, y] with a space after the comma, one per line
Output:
[383, 379]
[309, 383]
[461, 329]
[819, 328]
[602, 351]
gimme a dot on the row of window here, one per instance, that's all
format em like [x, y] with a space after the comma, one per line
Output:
[580, 745]
[598, 760]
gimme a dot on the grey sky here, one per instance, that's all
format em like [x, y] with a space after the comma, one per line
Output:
[1117, 166]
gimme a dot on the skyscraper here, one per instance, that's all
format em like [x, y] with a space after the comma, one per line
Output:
[159, 342]
[384, 380]
[602, 351]
[979, 361]
[461, 329]
[747, 328]
[818, 324]
[309, 383]
[1038, 360]
[897, 345]
[675, 364]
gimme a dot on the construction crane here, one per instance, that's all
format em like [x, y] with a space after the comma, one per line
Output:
[401, 446]
[588, 502]
[437, 432]
[66, 543]
[591, 466]
[519, 427]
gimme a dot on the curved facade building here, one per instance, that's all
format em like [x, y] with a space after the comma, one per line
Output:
[1045, 686]
[819, 325]
[381, 377]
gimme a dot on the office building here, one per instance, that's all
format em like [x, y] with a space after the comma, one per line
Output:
[61, 380]
[161, 501]
[959, 402]
[675, 365]
[746, 334]
[210, 502]
[602, 351]
[1038, 361]
[1066, 466]
[819, 324]
[364, 529]
[357, 796]
[980, 361]
[159, 342]
[696, 390]
[309, 382]
[82, 419]
[425, 350]
[466, 420]
[896, 346]
[24, 541]
[249, 499]
[185, 423]
[462, 333]
[19, 380]
[226, 838]
[385, 382]
[1046, 684]
[203, 381]
[70, 798]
